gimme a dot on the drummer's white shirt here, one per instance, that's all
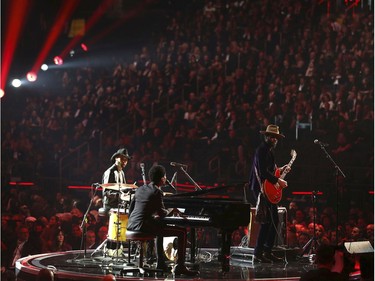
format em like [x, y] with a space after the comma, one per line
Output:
[119, 176]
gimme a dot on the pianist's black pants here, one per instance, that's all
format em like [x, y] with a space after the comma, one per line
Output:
[267, 231]
[167, 231]
[160, 229]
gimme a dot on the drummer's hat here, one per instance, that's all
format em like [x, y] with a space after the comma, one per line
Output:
[121, 152]
[273, 130]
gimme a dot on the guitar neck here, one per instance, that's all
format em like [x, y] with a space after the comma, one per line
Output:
[282, 176]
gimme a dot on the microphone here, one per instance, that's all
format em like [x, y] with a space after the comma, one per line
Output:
[321, 143]
[170, 185]
[96, 185]
[142, 165]
[178, 165]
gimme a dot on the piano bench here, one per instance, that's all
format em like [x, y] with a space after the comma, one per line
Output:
[139, 236]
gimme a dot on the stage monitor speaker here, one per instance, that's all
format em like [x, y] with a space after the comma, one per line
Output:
[253, 229]
[359, 247]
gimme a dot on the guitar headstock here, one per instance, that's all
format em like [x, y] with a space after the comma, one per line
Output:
[293, 153]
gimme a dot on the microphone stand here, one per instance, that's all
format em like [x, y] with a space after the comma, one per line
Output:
[312, 243]
[337, 172]
[197, 187]
[83, 225]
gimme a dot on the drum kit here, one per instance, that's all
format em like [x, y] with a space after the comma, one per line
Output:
[118, 220]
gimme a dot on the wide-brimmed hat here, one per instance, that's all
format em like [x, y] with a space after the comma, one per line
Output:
[273, 130]
[121, 152]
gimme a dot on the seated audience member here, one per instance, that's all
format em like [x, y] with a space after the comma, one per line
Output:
[22, 246]
[45, 274]
[91, 240]
[325, 260]
[370, 233]
[58, 244]
[75, 237]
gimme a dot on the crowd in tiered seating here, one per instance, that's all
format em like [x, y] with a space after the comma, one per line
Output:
[218, 74]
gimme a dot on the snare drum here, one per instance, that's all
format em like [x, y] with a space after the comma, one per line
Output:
[118, 221]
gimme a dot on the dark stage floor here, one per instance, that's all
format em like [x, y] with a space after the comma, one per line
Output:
[76, 265]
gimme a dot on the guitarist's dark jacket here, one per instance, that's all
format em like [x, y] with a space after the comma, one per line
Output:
[264, 163]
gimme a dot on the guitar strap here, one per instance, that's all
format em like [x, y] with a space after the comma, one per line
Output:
[258, 178]
[261, 208]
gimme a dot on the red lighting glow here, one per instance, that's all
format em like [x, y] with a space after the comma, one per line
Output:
[15, 18]
[84, 47]
[31, 76]
[58, 60]
[306, 193]
[21, 183]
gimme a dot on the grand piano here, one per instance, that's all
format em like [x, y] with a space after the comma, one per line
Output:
[220, 207]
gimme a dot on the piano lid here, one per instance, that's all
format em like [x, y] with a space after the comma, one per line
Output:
[232, 192]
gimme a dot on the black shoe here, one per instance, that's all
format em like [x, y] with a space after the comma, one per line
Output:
[183, 270]
[164, 267]
[151, 260]
[272, 257]
[261, 259]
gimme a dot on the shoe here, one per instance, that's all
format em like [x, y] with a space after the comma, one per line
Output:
[183, 270]
[151, 260]
[272, 257]
[261, 259]
[164, 267]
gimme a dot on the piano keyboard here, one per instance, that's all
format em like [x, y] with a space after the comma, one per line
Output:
[187, 219]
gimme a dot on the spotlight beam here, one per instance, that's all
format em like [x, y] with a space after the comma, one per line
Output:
[16, 17]
[90, 23]
[130, 14]
[64, 13]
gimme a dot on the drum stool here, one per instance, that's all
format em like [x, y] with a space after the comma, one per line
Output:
[140, 237]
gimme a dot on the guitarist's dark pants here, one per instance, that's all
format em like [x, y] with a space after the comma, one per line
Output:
[267, 231]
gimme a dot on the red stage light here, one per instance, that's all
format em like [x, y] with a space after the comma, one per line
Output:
[58, 60]
[31, 76]
[84, 47]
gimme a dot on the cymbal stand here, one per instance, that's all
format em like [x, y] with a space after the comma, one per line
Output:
[118, 225]
[129, 263]
[311, 245]
[102, 245]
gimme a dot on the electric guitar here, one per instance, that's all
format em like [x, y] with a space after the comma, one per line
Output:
[274, 192]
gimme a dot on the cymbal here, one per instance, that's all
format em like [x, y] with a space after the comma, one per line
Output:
[118, 186]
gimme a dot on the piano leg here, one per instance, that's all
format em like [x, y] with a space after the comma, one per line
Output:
[226, 240]
[192, 245]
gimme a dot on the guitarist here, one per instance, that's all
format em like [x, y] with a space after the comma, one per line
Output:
[264, 168]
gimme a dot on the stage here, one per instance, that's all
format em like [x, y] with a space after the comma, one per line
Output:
[80, 265]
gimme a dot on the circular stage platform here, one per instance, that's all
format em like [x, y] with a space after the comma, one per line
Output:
[79, 265]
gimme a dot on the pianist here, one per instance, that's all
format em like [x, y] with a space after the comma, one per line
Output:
[145, 214]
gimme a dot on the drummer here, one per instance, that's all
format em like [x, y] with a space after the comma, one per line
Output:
[115, 175]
